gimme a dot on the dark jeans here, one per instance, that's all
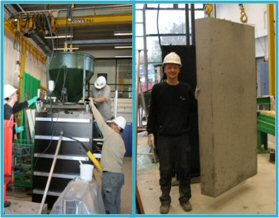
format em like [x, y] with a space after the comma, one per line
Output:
[111, 191]
[174, 152]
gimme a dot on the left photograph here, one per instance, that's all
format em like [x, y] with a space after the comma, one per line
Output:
[67, 101]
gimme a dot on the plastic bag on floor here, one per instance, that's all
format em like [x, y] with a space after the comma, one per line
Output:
[80, 197]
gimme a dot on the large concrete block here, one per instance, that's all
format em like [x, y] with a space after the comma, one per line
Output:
[226, 76]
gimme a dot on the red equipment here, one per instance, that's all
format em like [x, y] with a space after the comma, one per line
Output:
[8, 143]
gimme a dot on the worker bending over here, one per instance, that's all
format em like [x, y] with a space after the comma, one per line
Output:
[168, 120]
[113, 151]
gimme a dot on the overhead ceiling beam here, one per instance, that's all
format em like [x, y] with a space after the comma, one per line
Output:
[102, 41]
[84, 21]
[94, 20]
[63, 8]
[10, 9]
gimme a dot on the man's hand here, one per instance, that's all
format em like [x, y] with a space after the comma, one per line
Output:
[151, 140]
[33, 100]
[197, 91]
[91, 100]
[19, 129]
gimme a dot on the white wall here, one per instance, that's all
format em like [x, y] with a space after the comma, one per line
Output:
[105, 66]
[36, 68]
[256, 13]
[9, 62]
[32, 65]
[257, 17]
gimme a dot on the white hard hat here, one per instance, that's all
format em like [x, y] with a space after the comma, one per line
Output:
[172, 58]
[100, 82]
[9, 90]
[120, 121]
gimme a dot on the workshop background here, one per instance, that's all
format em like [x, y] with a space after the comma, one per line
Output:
[228, 52]
[70, 44]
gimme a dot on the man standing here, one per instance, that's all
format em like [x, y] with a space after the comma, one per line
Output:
[113, 151]
[170, 108]
[101, 97]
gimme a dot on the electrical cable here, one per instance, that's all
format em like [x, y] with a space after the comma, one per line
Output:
[52, 51]
[88, 152]
[64, 81]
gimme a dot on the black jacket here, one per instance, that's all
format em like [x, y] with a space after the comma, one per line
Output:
[8, 110]
[170, 109]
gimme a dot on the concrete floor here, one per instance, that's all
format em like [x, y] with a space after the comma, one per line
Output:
[256, 195]
[24, 196]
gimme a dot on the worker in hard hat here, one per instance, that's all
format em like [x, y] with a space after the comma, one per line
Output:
[101, 97]
[113, 151]
[168, 121]
[12, 106]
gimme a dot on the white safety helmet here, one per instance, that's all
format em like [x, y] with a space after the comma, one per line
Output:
[120, 121]
[100, 82]
[9, 90]
[172, 58]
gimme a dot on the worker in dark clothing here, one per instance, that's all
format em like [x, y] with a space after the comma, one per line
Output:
[171, 104]
[12, 106]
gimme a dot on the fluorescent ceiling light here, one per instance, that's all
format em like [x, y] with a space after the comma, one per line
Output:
[123, 56]
[59, 37]
[122, 46]
[67, 49]
[122, 33]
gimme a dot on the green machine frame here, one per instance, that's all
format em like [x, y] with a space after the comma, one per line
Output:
[265, 124]
[24, 145]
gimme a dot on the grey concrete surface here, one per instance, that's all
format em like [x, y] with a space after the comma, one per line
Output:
[226, 76]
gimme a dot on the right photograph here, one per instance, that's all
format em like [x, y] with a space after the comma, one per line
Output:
[206, 111]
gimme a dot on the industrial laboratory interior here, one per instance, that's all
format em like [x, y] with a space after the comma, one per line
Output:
[214, 154]
[68, 108]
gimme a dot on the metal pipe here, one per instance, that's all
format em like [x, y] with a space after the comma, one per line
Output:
[193, 24]
[271, 49]
[18, 5]
[102, 41]
[65, 9]
[187, 24]
[139, 86]
[51, 172]
[145, 59]
[84, 81]
[115, 102]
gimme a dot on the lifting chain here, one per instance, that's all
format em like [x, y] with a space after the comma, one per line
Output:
[208, 9]
[243, 16]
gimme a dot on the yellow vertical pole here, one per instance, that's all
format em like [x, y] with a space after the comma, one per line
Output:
[22, 70]
[271, 49]
[22, 66]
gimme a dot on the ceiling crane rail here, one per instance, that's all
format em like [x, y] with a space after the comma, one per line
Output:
[94, 20]
[38, 22]
[65, 9]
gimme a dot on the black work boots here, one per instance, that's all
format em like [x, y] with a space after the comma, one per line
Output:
[186, 206]
[164, 208]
